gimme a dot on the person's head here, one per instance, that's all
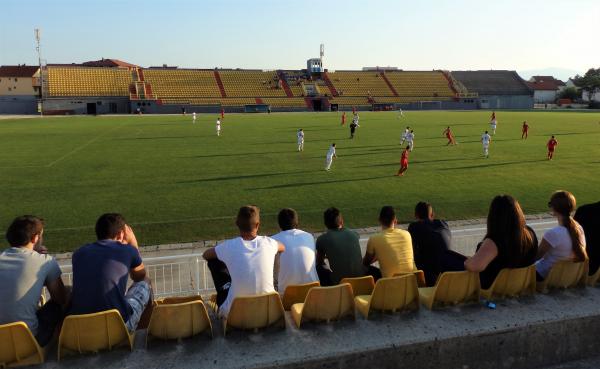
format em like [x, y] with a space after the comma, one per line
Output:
[25, 230]
[333, 218]
[423, 211]
[563, 204]
[448, 127]
[300, 130]
[506, 227]
[407, 148]
[411, 131]
[407, 127]
[110, 226]
[333, 145]
[248, 219]
[287, 219]
[524, 122]
[387, 217]
[486, 132]
[552, 136]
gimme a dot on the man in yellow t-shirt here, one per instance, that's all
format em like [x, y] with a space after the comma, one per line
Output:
[392, 247]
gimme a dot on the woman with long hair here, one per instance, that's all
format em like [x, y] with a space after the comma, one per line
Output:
[563, 242]
[508, 242]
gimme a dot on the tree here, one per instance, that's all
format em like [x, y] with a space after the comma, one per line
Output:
[590, 82]
[570, 93]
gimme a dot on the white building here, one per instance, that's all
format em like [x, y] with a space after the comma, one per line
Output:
[545, 89]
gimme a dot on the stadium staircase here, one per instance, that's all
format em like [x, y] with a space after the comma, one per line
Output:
[284, 84]
[259, 101]
[329, 84]
[220, 84]
[387, 81]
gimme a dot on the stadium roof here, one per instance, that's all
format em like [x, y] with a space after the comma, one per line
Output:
[18, 70]
[493, 82]
[108, 63]
[546, 83]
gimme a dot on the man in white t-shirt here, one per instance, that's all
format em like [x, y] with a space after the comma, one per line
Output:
[248, 261]
[218, 126]
[410, 139]
[404, 134]
[485, 141]
[300, 140]
[193, 117]
[297, 263]
[329, 158]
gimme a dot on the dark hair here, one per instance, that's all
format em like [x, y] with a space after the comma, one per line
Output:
[332, 218]
[287, 219]
[564, 203]
[422, 210]
[23, 229]
[248, 218]
[387, 215]
[506, 227]
[109, 225]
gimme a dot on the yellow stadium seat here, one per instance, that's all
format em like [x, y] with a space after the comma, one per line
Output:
[325, 304]
[93, 333]
[451, 288]
[177, 318]
[18, 346]
[419, 274]
[296, 293]
[390, 294]
[254, 312]
[360, 285]
[564, 274]
[593, 279]
[512, 283]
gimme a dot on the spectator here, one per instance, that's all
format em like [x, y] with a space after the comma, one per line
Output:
[508, 242]
[25, 269]
[101, 270]
[297, 263]
[588, 216]
[243, 265]
[431, 244]
[341, 247]
[563, 242]
[392, 247]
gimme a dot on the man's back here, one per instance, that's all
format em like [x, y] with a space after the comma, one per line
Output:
[100, 273]
[297, 264]
[588, 216]
[250, 264]
[431, 240]
[393, 248]
[342, 248]
[24, 273]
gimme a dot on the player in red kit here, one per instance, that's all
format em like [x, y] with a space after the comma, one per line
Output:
[448, 133]
[343, 118]
[525, 130]
[222, 113]
[552, 143]
[403, 162]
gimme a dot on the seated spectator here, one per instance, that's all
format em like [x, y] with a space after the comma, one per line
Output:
[508, 242]
[563, 242]
[297, 263]
[588, 216]
[392, 247]
[243, 265]
[431, 245]
[101, 270]
[25, 269]
[341, 247]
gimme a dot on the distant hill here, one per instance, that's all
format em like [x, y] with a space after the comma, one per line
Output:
[560, 73]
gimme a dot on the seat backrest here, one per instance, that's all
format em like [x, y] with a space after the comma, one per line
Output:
[179, 320]
[396, 293]
[566, 274]
[457, 287]
[252, 312]
[513, 282]
[178, 299]
[360, 285]
[18, 346]
[93, 332]
[419, 274]
[296, 293]
[328, 303]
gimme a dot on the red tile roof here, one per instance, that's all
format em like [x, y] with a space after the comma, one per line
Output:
[546, 83]
[18, 70]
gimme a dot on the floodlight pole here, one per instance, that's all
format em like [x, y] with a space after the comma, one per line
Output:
[37, 34]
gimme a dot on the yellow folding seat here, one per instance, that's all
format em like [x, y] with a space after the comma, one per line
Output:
[565, 274]
[390, 294]
[511, 283]
[419, 274]
[18, 347]
[254, 312]
[593, 279]
[451, 288]
[178, 317]
[360, 285]
[93, 332]
[325, 303]
[296, 293]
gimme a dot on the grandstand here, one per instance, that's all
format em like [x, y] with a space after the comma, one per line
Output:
[497, 89]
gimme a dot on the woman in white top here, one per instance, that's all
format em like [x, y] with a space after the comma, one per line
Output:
[564, 242]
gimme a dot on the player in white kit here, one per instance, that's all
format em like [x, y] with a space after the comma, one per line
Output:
[300, 140]
[410, 139]
[330, 155]
[493, 123]
[218, 126]
[194, 117]
[406, 132]
[485, 141]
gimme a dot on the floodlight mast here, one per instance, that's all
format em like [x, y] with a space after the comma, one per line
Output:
[37, 32]
[322, 53]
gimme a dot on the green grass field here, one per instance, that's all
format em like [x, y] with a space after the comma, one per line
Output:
[178, 182]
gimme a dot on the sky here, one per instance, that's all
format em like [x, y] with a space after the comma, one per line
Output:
[525, 35]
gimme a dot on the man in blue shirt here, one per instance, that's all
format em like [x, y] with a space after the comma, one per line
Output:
[101, 270]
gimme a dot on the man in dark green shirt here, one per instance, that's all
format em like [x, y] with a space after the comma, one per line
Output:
[341, 247]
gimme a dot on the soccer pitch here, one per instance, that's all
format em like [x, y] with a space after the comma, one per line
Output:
[176, 181]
